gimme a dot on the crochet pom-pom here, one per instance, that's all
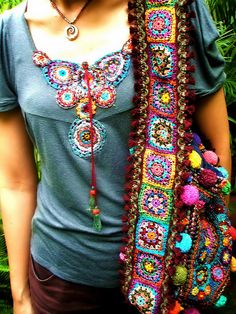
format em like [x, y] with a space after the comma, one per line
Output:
[233, 264]
[195, 160]
[208, 178]
[190, 195]
[211, 157]
[180, 275]
[191, 311]
[226, 188]
[232, 231]
[185, 244]
[221, 301]
[197, 139]
[176, 308]
[224, 172]
[122, 257]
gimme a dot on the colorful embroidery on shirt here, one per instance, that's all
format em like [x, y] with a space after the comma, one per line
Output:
[68, 79]
[80, 137]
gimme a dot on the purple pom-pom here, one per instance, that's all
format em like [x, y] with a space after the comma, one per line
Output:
[190, 195]
[197, 139]
[191, 311]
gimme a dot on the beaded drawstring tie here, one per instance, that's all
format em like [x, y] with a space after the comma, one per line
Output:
[94, 210]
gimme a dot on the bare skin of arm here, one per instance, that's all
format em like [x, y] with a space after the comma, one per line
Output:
[18, 184]
[212, 119]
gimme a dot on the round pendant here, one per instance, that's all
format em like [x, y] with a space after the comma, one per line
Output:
[80, 137]
[72, 32]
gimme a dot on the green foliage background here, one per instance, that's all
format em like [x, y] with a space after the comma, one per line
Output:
[224, 15]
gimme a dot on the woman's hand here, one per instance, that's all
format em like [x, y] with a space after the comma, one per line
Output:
[22, 303]
[23, 307]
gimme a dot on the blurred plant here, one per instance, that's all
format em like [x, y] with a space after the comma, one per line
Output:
[8, 4]
[6, 301]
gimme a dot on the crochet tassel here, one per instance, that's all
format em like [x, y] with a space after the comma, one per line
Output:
[97, 224]
[95, 211]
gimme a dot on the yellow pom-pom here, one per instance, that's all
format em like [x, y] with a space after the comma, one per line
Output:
[233, 264]
[195, 160]
[180, 275]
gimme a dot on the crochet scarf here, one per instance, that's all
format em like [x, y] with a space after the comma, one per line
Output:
[177, 234]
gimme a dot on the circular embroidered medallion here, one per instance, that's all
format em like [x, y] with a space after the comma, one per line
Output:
[66, 98]
[163, 98]
[161, 134]
[149, 267]
[80, 137]
[159, 169]
[144, 298]
[217, 273]
[106, 96]
[201, 275]
[40, 59]
[163, 60]
[151, 236]
[160, 24]
[155, 202]
[61, 73]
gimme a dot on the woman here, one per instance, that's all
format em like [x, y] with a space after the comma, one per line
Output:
[65, 54]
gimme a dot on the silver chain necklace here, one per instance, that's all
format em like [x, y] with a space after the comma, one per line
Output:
[71, 31]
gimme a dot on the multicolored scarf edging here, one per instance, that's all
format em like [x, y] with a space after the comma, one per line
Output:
[153, 258]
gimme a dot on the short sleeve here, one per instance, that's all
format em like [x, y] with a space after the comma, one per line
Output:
[209, 63]
[8, 99]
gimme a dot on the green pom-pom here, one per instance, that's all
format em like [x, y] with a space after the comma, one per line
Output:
[221, 301]
[180, 275]
[226, 188]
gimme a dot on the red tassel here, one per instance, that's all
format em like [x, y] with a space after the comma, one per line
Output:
[124, 219]
[132, 143]
[125, 228]
[187, 124]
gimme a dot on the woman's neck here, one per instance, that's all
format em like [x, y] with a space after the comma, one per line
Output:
[71, 4]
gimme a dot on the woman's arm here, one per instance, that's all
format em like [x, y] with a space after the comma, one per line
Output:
[211, 118]
[18, 185]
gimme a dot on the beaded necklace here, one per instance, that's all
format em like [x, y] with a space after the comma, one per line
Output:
[72, 30]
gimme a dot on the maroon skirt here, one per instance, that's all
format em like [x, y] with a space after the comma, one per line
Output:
[53, 295]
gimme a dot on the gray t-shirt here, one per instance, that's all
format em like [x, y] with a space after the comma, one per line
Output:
[63, 239]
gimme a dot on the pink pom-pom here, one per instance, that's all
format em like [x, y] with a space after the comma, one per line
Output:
[211, 157]
[191, 311]
[208, 178]
[122, 257]
[190, 195]
[232, 231]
